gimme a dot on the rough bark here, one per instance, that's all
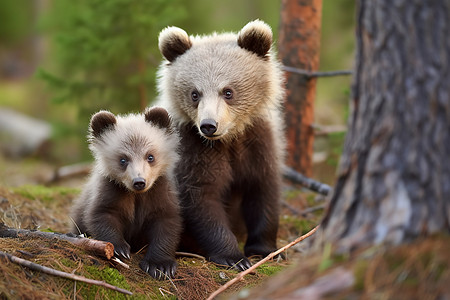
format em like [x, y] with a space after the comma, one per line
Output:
[299, 45]
[394, 175]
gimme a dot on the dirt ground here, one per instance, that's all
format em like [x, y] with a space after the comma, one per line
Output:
[29, 199]
[418, 270]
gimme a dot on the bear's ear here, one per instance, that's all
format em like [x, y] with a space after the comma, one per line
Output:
[158, 116]
[102, 121]
[256, 37]
[173, 42]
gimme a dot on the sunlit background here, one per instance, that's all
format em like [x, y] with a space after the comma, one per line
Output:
[62, 60]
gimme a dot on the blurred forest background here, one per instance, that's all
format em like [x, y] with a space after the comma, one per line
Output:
[61, 61]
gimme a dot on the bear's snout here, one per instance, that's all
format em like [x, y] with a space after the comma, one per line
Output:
[139, 183]
[208, 127]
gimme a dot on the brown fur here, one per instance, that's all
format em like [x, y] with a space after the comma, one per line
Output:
[109, 209]
[225, 93]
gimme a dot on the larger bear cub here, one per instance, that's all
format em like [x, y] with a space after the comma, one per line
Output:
[224, 92]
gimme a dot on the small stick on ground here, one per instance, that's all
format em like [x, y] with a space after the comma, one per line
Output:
[268, 257]
[37, 267]
[101, 248]
[188, 254]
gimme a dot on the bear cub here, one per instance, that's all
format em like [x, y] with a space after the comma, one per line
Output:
[130, 199]
[225, 93]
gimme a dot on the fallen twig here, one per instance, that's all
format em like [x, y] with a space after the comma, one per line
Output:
[101, 248]
[252, 268]
[71, 171]
[40, 268]
[309, 183]
[188, 254]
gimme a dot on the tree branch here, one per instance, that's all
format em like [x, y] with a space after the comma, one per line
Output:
[307, 182]
[100, 248]
[40, 268]
[312, 74]
[252, 268]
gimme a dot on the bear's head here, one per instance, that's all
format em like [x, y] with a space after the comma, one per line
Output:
[221, 83]
[134, 150]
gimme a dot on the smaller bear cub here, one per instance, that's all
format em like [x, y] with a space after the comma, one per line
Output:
[130, 199]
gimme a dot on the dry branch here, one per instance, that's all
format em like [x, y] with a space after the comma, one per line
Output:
[312, 74]
[188, 254]
[307, 182]
[100, 248]
[304, 212]
[71, 171]
[39, 268]
[253, 268]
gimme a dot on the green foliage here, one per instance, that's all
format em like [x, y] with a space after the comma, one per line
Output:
[106, 51]
[15, 24]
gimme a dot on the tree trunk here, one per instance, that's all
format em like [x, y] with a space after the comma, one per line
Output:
[394, 175]
[299, 45]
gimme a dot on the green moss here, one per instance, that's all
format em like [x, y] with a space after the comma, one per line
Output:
[44, 193]
[268, 269]
[109, 275]
[68, 263]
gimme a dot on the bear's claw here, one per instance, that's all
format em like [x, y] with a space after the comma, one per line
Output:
[159, 270]
[241, 263]
[122, 250]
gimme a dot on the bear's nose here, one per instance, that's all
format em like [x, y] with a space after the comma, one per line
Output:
[208, 127]
[139, 183]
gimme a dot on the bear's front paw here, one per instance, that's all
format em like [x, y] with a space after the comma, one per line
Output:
[239, 262]
[122, 249]
[159, 270]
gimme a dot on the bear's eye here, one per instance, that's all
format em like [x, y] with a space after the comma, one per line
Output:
[150, 158]
[123, 161]
[195, 96]
[228, 94]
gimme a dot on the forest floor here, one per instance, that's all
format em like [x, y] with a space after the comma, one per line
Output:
[419, 270]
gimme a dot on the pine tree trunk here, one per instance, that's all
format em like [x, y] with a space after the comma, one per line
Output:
[394, 175]
[299, 47]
